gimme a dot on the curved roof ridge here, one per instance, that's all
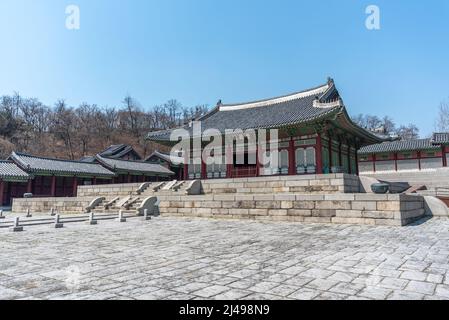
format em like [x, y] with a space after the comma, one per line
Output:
[22, 154]
[270, 101]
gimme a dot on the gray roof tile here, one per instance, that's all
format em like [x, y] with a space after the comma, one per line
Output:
[133, 166]
[10, 171]
[397, 146]
[440, 137]
[56, 166]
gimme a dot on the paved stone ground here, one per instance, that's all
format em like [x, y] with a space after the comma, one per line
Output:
[201, 259]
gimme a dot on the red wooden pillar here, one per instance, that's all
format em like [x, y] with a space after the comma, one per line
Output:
[186, 171]
[395, 161]
[340, 158]
[229, 160]
[94, 181]
[2, 189]
[203, 166]
[419, 160]
[349, 160]
[291, 158]
[30, 186]
[374, 162]
[443, 154]
[319, 155]
[129, 178]
[330, 154]
[53, 186]
[75, 186]
[356, 162]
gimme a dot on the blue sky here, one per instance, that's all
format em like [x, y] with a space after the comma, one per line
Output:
[200, 51]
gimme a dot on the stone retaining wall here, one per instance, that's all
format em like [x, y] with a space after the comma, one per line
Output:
[44, 205]
[369, 209]
[108, 190]
[314, 184]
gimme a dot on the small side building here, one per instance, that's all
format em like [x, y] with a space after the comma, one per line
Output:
[405, 155]
[13, 182]
[174, 163]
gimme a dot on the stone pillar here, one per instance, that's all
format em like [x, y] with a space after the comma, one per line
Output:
[291, 158]
[75, 186]
[2, 188]
[53, 186]
[319, 155]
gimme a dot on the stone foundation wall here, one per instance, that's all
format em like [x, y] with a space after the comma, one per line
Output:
[368, 209]
[313, 184]
[108, 190]
[44, 205]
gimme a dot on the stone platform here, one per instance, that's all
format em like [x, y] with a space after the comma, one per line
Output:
[367, 209]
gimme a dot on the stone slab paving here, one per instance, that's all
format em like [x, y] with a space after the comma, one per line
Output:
[168, 258]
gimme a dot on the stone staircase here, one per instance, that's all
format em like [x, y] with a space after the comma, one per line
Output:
[144, 197]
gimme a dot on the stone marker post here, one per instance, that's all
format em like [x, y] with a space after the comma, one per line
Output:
[29, 215]
[121, 218]
[58, 223]
[146, 216]
[52, 212]
[91, 221]
[16, 227]
[1, 215]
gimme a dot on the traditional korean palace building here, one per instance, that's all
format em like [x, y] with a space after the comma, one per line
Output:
[46, 177]
[406, 155]
[315, 135]
[172, 162]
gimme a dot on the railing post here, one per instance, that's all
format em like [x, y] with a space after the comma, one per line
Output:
[58, 223]
[145, 215]
[120, 217]
[16, 227]
[92, 221]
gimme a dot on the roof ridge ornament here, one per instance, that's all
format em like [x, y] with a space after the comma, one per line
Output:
[330, 104]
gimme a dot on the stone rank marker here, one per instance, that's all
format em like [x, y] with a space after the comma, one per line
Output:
[29, 215]
[16, 227]
[120, 218]
[58, 223]
[91, 220]
[146, 216]
[1, 215]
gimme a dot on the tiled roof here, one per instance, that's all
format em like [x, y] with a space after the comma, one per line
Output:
[55, 166]
[133, 166]
[10, 171]
[117, 151]
[271, 113]
[167, 157]
[440, 137]
[397, 146]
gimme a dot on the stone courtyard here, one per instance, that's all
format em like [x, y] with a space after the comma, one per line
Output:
[180, 258]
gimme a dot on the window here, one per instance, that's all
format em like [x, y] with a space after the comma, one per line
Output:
[305, 160]
[283, 161]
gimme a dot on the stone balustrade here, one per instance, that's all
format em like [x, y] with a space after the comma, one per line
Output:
[44, 205]
[312, 184]
[123, 189]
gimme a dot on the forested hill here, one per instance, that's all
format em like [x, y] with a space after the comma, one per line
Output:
[62, 131]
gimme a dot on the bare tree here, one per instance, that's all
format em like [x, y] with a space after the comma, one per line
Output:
[409, 132]
[442, 123]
